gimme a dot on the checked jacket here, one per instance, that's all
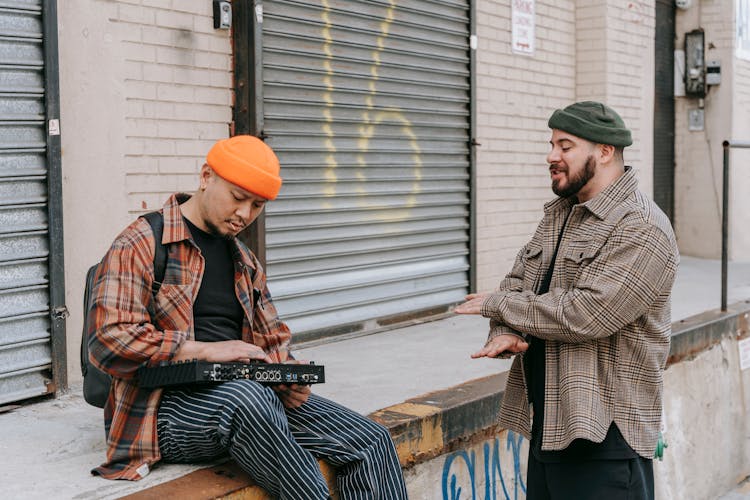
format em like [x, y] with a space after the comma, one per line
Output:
[605, 319]
[125, 338]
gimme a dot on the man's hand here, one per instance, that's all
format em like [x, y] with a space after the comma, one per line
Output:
[473, 304]
[292, 396]
[224, 351]
[502, 346]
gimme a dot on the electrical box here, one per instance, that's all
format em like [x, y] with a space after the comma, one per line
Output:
[222, 14]
[696, 119]
[713, 72]
[695, 66]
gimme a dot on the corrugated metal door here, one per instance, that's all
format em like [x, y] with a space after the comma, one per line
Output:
[25, 340]
[367, 104]
[664, 107]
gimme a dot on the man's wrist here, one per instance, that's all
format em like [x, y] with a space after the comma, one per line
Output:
[190, 349]
[491, 306]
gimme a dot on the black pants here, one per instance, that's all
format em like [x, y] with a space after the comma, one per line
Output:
[628, 479]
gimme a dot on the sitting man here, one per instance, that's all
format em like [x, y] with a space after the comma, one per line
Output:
[214, 305]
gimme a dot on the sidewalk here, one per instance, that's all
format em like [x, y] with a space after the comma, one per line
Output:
[48, 448]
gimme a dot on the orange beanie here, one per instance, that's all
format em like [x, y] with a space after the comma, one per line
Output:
[247, 162]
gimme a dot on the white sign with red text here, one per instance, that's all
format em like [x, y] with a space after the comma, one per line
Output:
[522, 23]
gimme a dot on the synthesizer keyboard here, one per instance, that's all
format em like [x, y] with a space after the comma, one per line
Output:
[198, 372]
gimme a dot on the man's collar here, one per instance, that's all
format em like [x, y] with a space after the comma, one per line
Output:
[613, 195]
[174, 228]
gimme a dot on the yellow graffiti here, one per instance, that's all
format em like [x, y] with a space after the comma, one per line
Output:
[331, 163]
[370, 119]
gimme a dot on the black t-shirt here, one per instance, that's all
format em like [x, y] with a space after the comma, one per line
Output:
[217, 312]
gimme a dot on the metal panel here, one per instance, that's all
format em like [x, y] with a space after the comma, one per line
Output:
[664, 107]
[25, 341]
[367, 104]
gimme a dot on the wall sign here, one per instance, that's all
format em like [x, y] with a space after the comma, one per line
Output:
[522, 23]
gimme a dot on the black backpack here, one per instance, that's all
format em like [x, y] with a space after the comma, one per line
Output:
[96, 383]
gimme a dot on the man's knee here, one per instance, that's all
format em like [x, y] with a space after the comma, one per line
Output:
[381, 436]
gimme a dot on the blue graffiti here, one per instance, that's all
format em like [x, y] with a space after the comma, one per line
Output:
[455, 491]
[514, 443]
[492, 470]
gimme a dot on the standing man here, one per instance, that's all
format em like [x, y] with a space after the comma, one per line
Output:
[588, 304]
[214, 305]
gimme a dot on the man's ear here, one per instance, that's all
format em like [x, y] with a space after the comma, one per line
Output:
[606, 153]
[205, 175]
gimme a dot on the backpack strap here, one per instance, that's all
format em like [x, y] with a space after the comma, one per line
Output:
[156, 221]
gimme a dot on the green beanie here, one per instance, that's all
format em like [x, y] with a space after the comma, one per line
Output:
[592, 121]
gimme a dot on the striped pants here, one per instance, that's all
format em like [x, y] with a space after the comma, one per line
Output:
[278, 447]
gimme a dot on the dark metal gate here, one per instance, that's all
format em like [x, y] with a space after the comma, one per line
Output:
[664, 107]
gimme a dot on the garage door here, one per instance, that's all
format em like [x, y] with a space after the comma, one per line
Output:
[367, 104]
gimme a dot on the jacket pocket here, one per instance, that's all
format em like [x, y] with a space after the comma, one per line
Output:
[532, 264]
[578, 255]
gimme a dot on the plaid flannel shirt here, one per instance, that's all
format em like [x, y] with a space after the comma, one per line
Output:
[606, 318]
[125, 337]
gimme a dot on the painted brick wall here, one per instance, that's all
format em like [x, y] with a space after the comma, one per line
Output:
[178, 89]
[630, 67]
[615, 64]
[585, 49]
[145, 90]
[516, 95]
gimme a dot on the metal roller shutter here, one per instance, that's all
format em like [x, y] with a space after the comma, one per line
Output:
[367, 104]
[25, 344]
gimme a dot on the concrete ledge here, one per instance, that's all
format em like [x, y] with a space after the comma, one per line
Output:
[437, 422]
[702, 331]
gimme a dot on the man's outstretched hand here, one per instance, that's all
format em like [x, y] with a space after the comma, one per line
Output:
[473, 304]
[502, 346]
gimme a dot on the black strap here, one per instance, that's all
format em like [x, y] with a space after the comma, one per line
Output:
[156, 221]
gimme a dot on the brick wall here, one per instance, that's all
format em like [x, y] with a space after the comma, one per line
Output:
[615, 64]
[516, 95]
[145, 90]
[585, 49]
[178, 89]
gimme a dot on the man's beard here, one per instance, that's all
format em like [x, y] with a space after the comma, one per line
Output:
[575, 183]
[215, 231]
